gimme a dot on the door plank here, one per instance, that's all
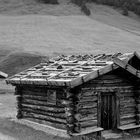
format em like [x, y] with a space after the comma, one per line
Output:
[108, 113]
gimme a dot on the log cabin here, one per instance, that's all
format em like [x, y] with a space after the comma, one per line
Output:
[81, 94]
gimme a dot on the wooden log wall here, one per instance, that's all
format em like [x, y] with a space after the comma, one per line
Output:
[126, 105]
[79, 109]
[137, 93]
[41, 105]
[85, 110]
[69, 110]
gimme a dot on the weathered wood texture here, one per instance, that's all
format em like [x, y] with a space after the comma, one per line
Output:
[127, 108]
[79, 108]
[137, 107]
[86, 109]
[42, 105]
[69, 111]
[125, 86]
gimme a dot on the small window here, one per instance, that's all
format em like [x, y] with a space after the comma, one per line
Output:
[51, 97]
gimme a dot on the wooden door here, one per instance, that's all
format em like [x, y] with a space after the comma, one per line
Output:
[108, 115]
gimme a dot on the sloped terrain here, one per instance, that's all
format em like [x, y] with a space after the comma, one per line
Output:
[24, 7]
[53, 35]
[113, 17]
[17, 62]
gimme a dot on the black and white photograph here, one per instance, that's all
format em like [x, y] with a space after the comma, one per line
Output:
[69, 69]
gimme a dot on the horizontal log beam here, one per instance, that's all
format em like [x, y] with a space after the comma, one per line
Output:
[87, 111]
[127, 116]
[88, 123]
[43, 117]
[87, 99]
[55, 125]
[44, 108]
[85, 117]
[86, 105]
[42, 112]
[36, 102]
[127, 121]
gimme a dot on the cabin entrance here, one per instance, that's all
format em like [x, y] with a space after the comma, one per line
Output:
[108, 112]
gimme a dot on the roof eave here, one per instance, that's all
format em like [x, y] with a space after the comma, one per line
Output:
[4, 75]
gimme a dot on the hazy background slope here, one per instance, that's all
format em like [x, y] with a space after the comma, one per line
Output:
[22, 7]
[29, 30]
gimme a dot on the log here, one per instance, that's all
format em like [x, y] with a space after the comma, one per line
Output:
[138, 101]
[77, 128]
[128, 111]
[19, 99]
[70, 119]
[34, 92]
[137, 118]
[67, 102]
[128, 94]
[43, 117]
[85, 117]
[108, 81]
[87, 99]
[70, 128]
[127, 116]
[108, 77]
[88, 123]
[44, 122]
[42, 112]
[86, 105]
[127, 100]
[127, 106]
[18, 90]
[41, 100]
[138, 106]
[69, 113]
[127, 121]
[35, 102]
[44, 108]
[87, 111]
[138, 115]
[34, 97]
[108, 89]
[108, 84]
[86, 93]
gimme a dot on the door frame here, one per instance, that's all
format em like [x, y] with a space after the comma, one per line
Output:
[116, 111]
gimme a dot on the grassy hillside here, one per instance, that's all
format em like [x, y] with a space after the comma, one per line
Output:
[37, 31]
[113, 17]
[23, 7]
[52, 35]
[17, 62]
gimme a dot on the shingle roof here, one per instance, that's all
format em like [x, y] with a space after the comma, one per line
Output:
[70, 70]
